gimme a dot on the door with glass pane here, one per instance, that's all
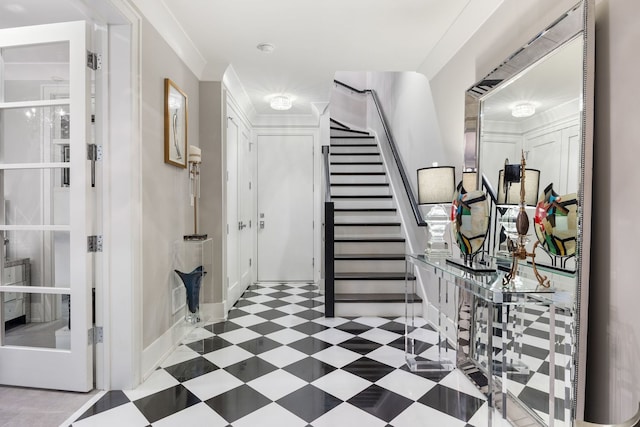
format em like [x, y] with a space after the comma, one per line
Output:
[46, 207]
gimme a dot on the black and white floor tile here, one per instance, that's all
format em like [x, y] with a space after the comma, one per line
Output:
[277, 361]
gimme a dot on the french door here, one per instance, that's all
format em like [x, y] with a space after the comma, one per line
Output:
[46, 207]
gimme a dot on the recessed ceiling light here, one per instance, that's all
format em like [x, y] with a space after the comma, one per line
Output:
[524, 109]
[280, 102]
[265, 47]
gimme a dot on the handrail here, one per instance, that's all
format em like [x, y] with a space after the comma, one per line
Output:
[327, 177]
[490, 190]
[394, 151]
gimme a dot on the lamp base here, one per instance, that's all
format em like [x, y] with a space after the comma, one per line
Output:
[195, 237]
[438, 249]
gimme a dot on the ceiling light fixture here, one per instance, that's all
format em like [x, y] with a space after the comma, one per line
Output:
[265, 47]
[524, 109]
[280, 102]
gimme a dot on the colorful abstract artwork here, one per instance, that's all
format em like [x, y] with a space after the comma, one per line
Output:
[556, 222]
[470, 219]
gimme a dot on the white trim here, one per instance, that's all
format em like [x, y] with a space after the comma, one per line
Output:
[34, 104]
[122, 273]
[4, 227]
[159, 15]
[162, 347]
[56, 165]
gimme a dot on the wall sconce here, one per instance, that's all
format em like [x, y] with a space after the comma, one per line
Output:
[195, 159]
[435, 187]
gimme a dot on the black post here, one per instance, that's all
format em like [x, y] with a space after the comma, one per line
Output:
[329, 277]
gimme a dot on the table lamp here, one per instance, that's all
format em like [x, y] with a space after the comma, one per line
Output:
[436, 185]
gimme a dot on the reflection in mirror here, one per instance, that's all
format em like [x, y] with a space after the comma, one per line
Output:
[537, 104]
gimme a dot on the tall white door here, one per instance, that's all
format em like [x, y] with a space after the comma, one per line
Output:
[46, 209]
[245, 208]
[285, 207]
[239, 207]
[233, 277]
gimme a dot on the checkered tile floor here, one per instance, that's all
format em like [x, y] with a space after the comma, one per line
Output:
[277, 361]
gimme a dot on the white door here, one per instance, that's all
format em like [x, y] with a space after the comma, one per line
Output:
[245, 208]
[46, 214]
[233, 278]
[285, 207]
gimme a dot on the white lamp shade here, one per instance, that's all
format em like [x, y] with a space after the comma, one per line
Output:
[436, 185]
[531, 182]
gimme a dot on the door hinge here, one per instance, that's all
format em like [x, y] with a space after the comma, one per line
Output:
[94, 61]
[94, 152]
[94, 243]
[95, 335]
[249, 185]
[249, 262]
[313, 262]
[93, 118]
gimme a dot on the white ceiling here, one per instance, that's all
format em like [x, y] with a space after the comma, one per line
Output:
[313, 38]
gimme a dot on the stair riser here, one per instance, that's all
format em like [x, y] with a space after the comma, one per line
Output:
[362, 230]
[338, 132]
[362, 203]
[369, 248]
[359, 190]
[368, 266]
[365, 216]
[369, 286]
[352, 141]
[335, 149]
[359, 179]
[358, 309]
[356, 168]
[356, 158]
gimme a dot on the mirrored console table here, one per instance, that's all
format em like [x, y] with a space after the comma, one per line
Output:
[481, 331]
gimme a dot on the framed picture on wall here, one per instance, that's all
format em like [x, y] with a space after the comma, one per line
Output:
[175, 125]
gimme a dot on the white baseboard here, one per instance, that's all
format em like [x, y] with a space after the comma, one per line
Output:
[153, 355]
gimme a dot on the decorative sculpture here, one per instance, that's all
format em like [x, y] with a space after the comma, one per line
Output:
[192, 282]
[518, 248]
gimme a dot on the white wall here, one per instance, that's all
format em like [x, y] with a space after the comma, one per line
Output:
[167, 215]
[613, 380]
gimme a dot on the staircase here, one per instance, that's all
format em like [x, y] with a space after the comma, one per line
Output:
[369, 243]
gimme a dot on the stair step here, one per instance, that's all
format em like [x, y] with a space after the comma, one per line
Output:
[372, 276]
[354, 149]
[365, 228]
[380, 245]
[372, 189]
[348, 210]
[362, 167]
[365, 217]
[369, 257]
[374, 298]
[366, 309]
[355, 163]
[362, 196]
[353, 137]
[342, 129]
[362, 203]
[370, 239]
[364, 184]
[357, 173]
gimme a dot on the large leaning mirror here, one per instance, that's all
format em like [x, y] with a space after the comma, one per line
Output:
[538, 104]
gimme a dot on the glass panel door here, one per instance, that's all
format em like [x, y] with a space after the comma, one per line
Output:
[45, 214]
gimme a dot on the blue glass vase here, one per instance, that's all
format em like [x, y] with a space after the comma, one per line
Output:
[192, 282]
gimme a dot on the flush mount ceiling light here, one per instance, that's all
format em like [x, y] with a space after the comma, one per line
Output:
[280, 102]
[524, 109]
[265, 47]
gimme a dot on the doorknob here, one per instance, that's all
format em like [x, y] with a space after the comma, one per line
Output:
[241, 225]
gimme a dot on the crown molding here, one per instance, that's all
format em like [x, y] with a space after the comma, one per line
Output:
[159, 15]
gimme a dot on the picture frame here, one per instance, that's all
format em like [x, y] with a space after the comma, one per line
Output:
[175, 125]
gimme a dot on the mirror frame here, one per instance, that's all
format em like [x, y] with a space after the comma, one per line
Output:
[564, 29]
